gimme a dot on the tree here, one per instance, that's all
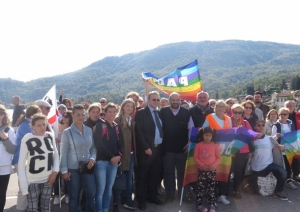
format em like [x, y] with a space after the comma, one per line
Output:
[250, 90]
[283, 85]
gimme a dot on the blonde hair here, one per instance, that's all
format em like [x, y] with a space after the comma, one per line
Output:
[283, 109]
[5, 120]
[121, 112]
[237, 106]
[95, 105]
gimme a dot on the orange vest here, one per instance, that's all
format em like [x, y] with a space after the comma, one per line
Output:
[214, 124]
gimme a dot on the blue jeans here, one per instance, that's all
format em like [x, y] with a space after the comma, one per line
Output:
[171, 161]
[278, 172]
[128, 192]
[74, 186]
[105, 174]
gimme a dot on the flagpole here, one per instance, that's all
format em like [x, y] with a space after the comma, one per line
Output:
[181, 195]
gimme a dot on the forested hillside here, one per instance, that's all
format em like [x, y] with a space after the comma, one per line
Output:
[226, 67]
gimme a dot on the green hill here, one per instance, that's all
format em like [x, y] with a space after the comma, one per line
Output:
[226, 67]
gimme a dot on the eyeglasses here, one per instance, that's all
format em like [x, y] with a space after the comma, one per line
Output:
[248, 108]
[237, 112]
[283, 114]
[78, 115]
[155, 100]
[260, 125]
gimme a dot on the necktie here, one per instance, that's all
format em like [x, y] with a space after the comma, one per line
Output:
[158, 124]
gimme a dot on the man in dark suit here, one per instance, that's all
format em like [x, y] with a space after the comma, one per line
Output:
[148, 151]
[18, 110]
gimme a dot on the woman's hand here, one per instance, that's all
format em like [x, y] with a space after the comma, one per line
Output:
[115, 160]
[52, 178]
[91, 163]
[278, 135]
[204, 168]
[66, 176]
[3, 135]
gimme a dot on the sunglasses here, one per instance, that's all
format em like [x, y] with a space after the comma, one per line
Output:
[260, 125]
[248, 108]
[236, 112]
[78, 115]
[283, 114]
[157, 100]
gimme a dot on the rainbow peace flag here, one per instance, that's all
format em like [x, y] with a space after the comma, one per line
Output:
[230, 141]
[185, 80]
[291, 142]
[191, 167]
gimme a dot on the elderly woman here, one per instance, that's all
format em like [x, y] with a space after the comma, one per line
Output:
[271, 119]
[240, 159]
[7, 148]
[77, 145]
[109, 152]
[126, 125]
[219, 121]
[282, 126]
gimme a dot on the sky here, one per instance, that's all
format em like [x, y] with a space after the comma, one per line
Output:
[47, 38]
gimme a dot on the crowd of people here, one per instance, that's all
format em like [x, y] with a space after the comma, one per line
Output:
[148, 140]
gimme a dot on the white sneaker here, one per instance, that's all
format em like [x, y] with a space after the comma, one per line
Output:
[223, 200]
[56, 200]
[291, 185]
[66, 199]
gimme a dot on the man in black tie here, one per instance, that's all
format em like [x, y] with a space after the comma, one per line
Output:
[149, 136]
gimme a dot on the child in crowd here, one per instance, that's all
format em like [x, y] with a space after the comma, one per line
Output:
[207, 157]
[38, 164]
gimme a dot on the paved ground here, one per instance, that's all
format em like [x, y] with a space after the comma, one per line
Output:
[248, 203]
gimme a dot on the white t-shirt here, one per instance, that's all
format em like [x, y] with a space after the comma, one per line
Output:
[262, 156]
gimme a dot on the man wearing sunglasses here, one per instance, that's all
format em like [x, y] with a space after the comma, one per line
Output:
[148, 151]
[267, 158]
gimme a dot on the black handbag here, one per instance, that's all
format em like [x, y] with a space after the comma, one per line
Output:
[82, 169]
[120, 181]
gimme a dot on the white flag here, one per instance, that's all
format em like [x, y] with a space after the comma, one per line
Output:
[50, 97]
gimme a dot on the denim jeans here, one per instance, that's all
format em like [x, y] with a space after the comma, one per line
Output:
[171, 162]
[105, 174]
[74, 186]
[128, 192]
[278, 172]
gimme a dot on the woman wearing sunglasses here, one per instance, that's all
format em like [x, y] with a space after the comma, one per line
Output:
[65, 122]
[249, 113]
[282, 126]
[77, 144]
[239, 160]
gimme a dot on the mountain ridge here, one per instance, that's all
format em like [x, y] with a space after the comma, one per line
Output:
[227, 64]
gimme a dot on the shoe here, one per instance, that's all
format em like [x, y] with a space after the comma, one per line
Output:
[169, 199]
[156, 201]
[123, 200]
[116, 208]
[201, 208]
[212, 208]
[187, 200]
[129, 205]
[66, 199]
[296, 178]
[142, 206]
[237, 195]
[56, 200]
[223, 200]
[291, 185]
[280, 196]
[160, 190]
